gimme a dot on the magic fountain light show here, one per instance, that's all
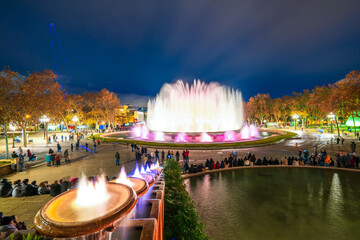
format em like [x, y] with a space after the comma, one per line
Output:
[197, 113]
[128, 207]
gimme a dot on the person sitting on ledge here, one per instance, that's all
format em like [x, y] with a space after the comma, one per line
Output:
[44, 188]
[227, 164]
[295, 162]
[259, 162]
[55, 189]
[35, 188]
[5, 188]
[247, 162]
[222, 165]
[265, 161]
[217, 165]
[235, 163]
[201, 168]
[271, 161]
[27, 189]
[211, 165]
[207, 163]
[290, 161]
[276, 162]
[64, 185]
[16, 192]
[241, 162]
[284, 161]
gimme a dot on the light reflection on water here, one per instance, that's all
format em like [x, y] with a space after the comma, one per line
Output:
[278, 203]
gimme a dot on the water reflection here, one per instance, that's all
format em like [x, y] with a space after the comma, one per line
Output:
[278, 204]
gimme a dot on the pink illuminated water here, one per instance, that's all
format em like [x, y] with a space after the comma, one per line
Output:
[229, 136]
[205, 137]
[198, 107]
[181, 137]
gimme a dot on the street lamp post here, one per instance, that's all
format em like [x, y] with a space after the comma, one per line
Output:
[331, 116]
[295, 119]
[45, 120]
[75, 119]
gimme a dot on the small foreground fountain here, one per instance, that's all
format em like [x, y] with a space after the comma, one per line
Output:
[94, 207]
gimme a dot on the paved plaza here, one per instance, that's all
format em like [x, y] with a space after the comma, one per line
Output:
[90, 164]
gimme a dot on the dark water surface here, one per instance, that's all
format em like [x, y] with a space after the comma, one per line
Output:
[278, 203]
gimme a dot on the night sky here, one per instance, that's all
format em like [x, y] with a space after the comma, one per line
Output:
[133, 47]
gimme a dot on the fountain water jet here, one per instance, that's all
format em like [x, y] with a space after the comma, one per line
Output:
[200, 107]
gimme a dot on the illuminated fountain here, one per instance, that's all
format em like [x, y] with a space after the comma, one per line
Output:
[195, 113]
[195, 108]
[136, 181]
[90, 208]
[95, 209]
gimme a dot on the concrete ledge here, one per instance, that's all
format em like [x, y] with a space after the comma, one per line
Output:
[5, 169]
[188, 175]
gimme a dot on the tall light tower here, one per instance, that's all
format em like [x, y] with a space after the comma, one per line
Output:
[295, 119]
[45, 120]
[75, 120]
[331, 116]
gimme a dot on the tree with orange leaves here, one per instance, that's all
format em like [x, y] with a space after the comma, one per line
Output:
[34, 96]
[7, 89]
[259, 107]
[345, 97]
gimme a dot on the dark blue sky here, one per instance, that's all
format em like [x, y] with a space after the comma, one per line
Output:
[133, 47]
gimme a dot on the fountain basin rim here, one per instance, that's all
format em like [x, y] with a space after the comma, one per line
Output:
[53, 228]
[139, 192]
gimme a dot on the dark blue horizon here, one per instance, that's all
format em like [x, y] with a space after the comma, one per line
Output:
[134, 47]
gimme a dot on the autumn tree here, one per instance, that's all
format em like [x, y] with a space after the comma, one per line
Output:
[319, 102]
[7, 89]
[34, 96]
[259, 107]
[344, 98]
[108, 103]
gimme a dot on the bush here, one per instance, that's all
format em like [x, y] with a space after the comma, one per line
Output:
[181, 218]
[29, 236]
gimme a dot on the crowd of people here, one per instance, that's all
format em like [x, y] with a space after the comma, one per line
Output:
[25, 188]
[344, 160]
[141, 151]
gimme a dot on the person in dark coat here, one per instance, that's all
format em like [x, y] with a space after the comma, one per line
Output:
[235, 163]
[27, 189]
[259, 162]
[211, 165]
[222, 165]
[207, 163]
[276, 161]
[64, 186]
[55, 189]
[241, 162]
[186, 167]
[117, 158]
[5, 188]
[265, 161]
[217, 165]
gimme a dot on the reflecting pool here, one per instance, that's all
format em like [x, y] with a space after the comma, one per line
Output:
[278, 203]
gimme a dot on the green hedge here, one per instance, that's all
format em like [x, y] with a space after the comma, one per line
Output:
[181, 218]
[260, 142]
